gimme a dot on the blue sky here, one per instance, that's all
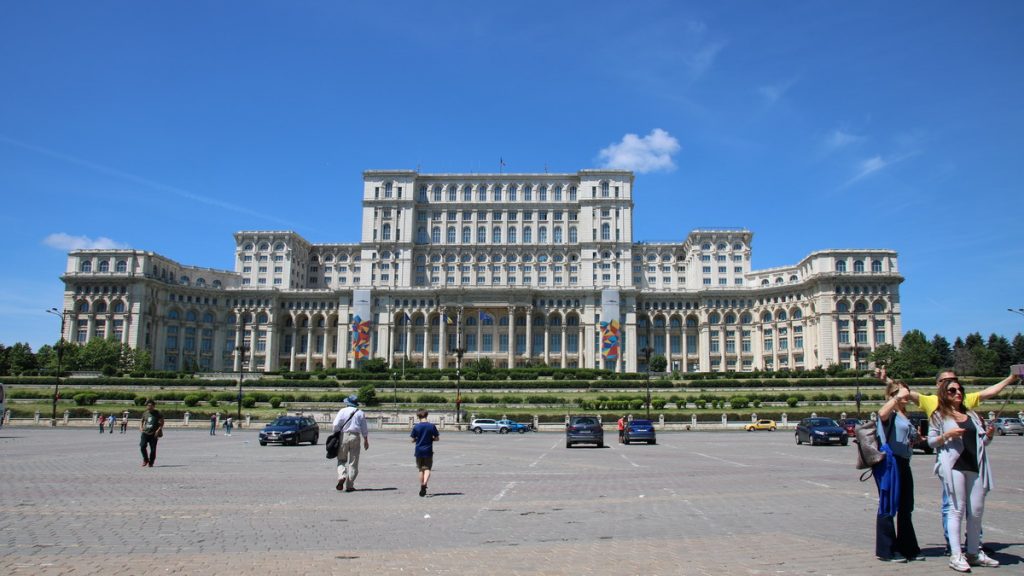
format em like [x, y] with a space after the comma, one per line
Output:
[167, 126]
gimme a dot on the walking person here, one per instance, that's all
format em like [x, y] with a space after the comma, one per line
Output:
[228, 425]
[152, 427]
[102, 420]
[213, 424]
[124, 423]
[622, 429]
[896, 541]
[351, 422]
[111, 420]
[959, 438]
[423, 435]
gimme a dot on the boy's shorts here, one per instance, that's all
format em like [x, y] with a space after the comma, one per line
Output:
[425, 463]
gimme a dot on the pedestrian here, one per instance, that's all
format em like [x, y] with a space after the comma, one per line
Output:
[152, 427]
[124, 423]
[102, 420]
[213, 424]
[896, 542]
[424, 434]
[929, 402]
[228, 425]
[111, 420]
[622, 429]
[959, 438]
[351, 422]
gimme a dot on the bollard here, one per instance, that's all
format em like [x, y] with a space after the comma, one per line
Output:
[753, 417]
[188, 416]
[784, 418]
[725, 420]
[95, 418]
[37, 417]
[842, 415]
[536, 422]
[814, 414]
[693, 420]
[661, 421]
[67, 417]
[248, 420]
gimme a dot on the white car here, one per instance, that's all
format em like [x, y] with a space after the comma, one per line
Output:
[481, 425]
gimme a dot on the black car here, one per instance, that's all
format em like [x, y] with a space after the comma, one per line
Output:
[821, 431]
[584, 430]
[290, 430]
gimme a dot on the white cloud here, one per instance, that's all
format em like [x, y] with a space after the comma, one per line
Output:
[651, 153]
[66, 242]
[703, 58]
[840, 138]
[774, 92]
[870, 166]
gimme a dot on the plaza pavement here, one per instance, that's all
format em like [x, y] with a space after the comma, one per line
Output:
[75, 502]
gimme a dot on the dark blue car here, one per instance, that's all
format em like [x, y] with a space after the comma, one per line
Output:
[639, 431]
[820, 431]
[290, 430]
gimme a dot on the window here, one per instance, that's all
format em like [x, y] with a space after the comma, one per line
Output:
[527, 235]
[573, 235]
[467, 235]
[452, 193]
[841, 266]
[86, 266]
[876, 266]
[512, 235]
[858, 266]
[496, 235]
[385, 233]
[605, 231]
[435, 235]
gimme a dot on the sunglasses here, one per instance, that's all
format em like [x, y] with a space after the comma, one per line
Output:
[955, 391]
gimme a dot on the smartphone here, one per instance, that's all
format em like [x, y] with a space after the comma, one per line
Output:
[1017, 369]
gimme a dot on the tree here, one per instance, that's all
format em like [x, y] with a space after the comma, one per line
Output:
[1000, 346]
[21, 358]
[484, 365]
[377, 365]
[1018, 349]
[5, 362]
[943, 352]
[658, 363]
[885, 355]
[917, 356]
[367, 395]
[98, 353]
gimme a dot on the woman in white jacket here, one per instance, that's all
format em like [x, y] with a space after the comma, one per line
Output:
[959, 437]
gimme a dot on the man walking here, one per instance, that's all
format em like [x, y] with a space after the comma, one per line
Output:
[351, 422]
[213, 424]
[152, 427]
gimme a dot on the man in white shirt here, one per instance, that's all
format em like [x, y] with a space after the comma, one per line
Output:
[351, 422]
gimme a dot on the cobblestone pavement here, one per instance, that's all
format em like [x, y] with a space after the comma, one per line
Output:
[75, 502]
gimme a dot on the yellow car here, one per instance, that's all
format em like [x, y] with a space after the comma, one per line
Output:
[761, 425]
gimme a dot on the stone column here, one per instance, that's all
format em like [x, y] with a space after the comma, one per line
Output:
[511, 336]
[295, 344]
[236, 364]
[310, 343]
[547, 341]
[442, 339]
[704, 345]
[270, 354]
[426, 342]
[565, 360]
[529, 333]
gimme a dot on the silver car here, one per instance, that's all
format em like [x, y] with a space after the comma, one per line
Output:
[1006, 426]
[481, 425]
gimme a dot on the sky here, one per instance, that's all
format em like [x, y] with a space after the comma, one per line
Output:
[168, 126]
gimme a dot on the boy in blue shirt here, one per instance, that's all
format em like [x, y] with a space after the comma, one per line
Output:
[424, 434]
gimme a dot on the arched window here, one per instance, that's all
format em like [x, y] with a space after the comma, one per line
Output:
[421, 235]
[496, 235]
[184, 280]
[858, 266]
[453, 194]
[467, 235]
[451, 235]
[385, 232]
[876, 266]
[745, 319]
[497, 192]
[542, 194]
[208, 318]
[860, 307]
[467, 193]
[512, 235]
[279, 247]
[511, 192]
[730, 319]
[542, 234]
[190, 316]
[261, 318]
[606, 231]
[437, 193]
[528, 193]
[435, 235]
[558, 193]
[604, 189]
[573, 235]
[878, 307]
[118, 307]
[86, 266]
[842, 307]
[797, 314]
[841, 266]
[766, 317]
[781, 315]
[691, 322]
[558, 235]
[481, 234]
[216, 284]
[527, 234]
[122, 266]
[172, 314]
[713, 318]
[248, 247]
[481, 193]
[101, 307]
[264, 246]
[104, 266]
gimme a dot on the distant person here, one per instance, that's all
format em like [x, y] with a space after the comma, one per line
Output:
[124, 423]
[351, 422]
[111, 421]
[152, 427]
[959, 438]
[896, 541]
[228, 425]
[424, 434]
[102, 420]
[622, 429]
[213, 424]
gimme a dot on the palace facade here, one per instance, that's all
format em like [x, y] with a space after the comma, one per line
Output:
[518, 268]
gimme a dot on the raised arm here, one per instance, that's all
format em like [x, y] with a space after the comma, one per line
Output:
[994, 390]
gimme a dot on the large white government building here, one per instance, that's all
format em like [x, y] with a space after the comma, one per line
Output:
[520, 267]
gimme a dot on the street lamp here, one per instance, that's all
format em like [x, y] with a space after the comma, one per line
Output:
[458, 351]
[241, 348]
[394, 381]
[647, 351]
[62, 314]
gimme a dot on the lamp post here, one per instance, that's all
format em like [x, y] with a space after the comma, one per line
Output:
[856, 345]
[647, 351]
[394, 381]
[241, 347]
[62, 314]
[459, 350]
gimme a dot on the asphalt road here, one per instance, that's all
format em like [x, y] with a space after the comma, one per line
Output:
[75, 502]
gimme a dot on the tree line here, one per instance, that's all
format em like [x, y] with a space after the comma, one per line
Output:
[106, 356]
[970, 356]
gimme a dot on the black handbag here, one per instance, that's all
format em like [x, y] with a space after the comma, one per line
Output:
[333, 444]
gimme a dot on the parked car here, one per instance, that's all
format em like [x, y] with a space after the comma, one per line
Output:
[513, 426]
[768, 425]
[584, 430]
[290, 430]
[850, 425]
[639, 431]
[820, 431]
[1006, 426]
[481, 425]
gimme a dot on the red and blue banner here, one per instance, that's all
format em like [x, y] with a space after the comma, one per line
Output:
[610, 340]
[360, 338]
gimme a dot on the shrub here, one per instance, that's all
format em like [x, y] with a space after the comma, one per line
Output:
[85, 399]
[658, 403]
[431, 399]
[739, 402]
[792, 401]
[275, 402]
[248, 401]
[191, 400]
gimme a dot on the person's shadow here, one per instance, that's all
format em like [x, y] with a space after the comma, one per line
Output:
[435, 494]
